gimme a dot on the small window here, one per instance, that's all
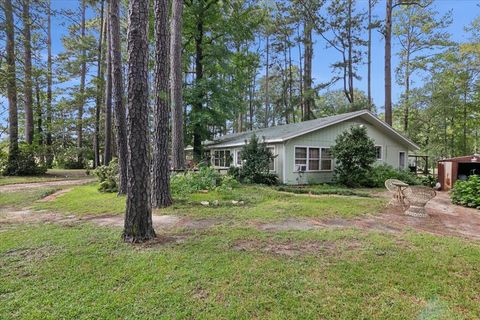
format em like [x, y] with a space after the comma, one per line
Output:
[314, 159]
[327, 159]
[239, 158]
[401, 159]
[379, 152]
[221, 158]
[272, 161]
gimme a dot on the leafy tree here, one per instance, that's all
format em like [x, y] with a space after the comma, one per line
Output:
[354, 152]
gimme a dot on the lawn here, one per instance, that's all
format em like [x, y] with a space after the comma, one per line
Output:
[258, 203]
[232, 270]
[51, 175]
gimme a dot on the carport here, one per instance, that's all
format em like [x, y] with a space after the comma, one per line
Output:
[459, 168]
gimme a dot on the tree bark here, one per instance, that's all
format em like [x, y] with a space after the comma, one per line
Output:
[369, 56]
[49, 155]
[138, 218]
[107, 151]
[98, 102]
[117, 88]
[83, 73]
[178, 146]
[388, 63]
[198, 104]
[307, 71]
[350, 53]
[39, 113]
[267, 76]
[11, 90]
[27, 86]
[160, 165]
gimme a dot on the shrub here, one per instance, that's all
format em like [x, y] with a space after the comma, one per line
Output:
[108, 177]
[206, 178]
[380, 173]
[68, 159]
[228, 183]
[256, 160]
[467, 193]
[26, 163]
[355, 154]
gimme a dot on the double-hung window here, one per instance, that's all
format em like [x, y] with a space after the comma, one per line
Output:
[221, 158]
[272, 161]
[313, 159]
[379, 152]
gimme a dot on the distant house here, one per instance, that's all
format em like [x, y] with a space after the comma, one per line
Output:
[302, 150]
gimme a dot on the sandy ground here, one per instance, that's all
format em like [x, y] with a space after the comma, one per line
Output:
[34, 185]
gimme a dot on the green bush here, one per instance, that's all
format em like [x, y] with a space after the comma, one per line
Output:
[108, 177]
[68, 159]
[355, 155]
[26, 163]
[255, 167]
[467, 193]
[206, 178]
[378, 174]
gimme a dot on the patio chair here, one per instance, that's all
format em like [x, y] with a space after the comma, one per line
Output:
[418, 196]
[393, 185]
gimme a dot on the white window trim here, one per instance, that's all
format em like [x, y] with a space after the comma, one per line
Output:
[235, 157]
[308, 158]
[274, 152]
[381, 152]
[404, 159]
[212, 158]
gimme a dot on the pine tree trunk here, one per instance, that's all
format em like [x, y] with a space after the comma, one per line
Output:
[267, 79]
[160, 163]
[198, 104]
[98, 102]
[307, 71]
[83, 73]
[388, 63]
[12, 165]
[107, 151]
[49, 151]
[27, 86]
[178, 146]
[117, 88]
[138, 218]
[39, 113]
[369, 56]
[350, 54]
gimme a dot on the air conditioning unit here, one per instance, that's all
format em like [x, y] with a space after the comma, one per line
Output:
[301, 167]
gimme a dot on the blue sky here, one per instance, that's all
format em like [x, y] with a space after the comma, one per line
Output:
[464, 11]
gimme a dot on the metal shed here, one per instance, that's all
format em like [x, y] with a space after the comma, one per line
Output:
[459, 168]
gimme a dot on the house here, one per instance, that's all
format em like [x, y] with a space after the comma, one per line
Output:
[302, 150]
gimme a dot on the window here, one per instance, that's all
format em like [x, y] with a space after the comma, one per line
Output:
[272, 161]
[401, 159]
[313, 159]
[239, 159]
[379, 152]
[221, 158]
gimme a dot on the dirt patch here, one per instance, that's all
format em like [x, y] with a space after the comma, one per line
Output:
[198, 224]
[296, 248]
[54, 195]
[444, 218]
[35, 185]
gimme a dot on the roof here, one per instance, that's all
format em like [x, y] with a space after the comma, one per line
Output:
[472, 158]
[285, 132]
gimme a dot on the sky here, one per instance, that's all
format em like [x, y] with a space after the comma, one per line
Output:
[463, 12]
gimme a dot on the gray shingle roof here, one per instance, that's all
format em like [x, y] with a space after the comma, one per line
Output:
[287, 131]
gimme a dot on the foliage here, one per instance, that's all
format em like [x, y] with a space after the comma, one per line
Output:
[354, 153]
[379, 173]
[228, 183]
[256, 158]
[27, 163]
[3, 160]
[323, 189]
[68, 159]
[108, 176]
[429, 181]
[207, 178]
[467, 193]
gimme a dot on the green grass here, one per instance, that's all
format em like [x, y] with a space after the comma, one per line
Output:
[324, 189]
[24, 198]
[259, 203]
[86, 272]
[51, 175]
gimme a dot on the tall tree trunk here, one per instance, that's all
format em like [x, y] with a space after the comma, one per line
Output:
[28, 93]
[49, 151]
[290, 82]
[138, 218]
[98, 102]
[267, 80]
[388, 62]
[307, 70]
[39, 112]
[300, 76]
[350, 53]
[407, 94]
[83, 73]
[198, 104]
[178, 146]
[369, 56]
[117, 86]
[11, 90]
[107, 151]
[160, 165]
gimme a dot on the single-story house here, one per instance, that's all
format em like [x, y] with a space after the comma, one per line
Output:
[302, 150]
